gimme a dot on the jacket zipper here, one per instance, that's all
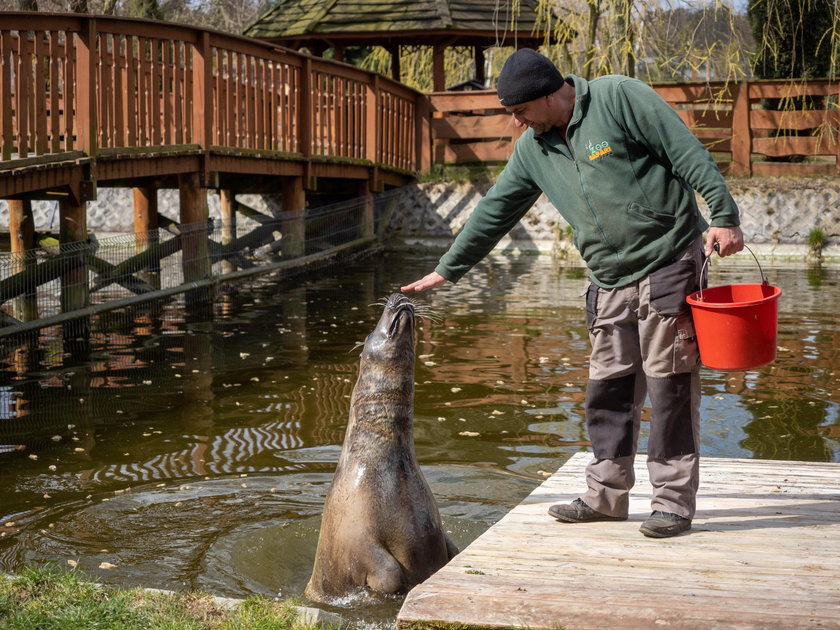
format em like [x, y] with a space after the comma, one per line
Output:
[588, 199]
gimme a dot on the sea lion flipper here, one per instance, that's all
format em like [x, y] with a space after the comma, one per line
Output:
[451, 547]
[385, 575]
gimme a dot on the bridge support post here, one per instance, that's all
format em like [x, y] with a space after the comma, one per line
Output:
[294, 227]
[194, 217]
[227, 208]
[75, 289]
[22, 233]
[146, 229]
[366, 210]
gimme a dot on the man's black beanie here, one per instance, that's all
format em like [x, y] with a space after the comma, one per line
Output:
[527, 75]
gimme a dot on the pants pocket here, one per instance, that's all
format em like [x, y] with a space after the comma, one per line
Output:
[591, 293]
[686, 351]
[670, 285]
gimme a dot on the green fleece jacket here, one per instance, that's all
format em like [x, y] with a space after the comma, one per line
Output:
[624, 180]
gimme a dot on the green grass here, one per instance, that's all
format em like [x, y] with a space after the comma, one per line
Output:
[49, 598]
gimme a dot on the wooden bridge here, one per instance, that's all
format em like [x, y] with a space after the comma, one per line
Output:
[87, 102]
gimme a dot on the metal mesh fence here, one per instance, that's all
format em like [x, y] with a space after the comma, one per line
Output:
[60, 280]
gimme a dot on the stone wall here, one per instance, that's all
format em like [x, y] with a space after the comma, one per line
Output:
[777, 216]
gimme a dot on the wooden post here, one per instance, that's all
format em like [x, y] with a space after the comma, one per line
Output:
[145, 210]
[480, 75]
[293, 228]
[395, 61]
[423, 127]
[86, 87]
[741, 132]
[372, 128]
[22, 233]
[306, 118]
[75, 291]
[146, 230]
[202, 108]
[438, 72]
[227, 208]
[194, 217]
[366, 211]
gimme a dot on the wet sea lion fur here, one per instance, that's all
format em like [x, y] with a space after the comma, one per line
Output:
[381, 529]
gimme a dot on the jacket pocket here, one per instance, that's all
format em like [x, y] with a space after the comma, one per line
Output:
[650, 215]
[670, 285]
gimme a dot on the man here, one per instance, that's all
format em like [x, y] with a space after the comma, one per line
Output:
[622, 168]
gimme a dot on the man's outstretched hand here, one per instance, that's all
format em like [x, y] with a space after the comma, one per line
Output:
[730, 240]
[430, 281]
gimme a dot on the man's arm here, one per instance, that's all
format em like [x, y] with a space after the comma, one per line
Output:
[429, 281]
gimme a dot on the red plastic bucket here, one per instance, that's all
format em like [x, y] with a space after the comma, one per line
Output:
[736, 324]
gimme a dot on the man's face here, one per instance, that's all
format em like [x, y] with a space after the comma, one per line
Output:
[536, 114]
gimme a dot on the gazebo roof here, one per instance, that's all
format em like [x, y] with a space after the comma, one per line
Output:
[387, 22]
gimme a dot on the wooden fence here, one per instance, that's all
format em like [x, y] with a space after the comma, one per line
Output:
[735, 121]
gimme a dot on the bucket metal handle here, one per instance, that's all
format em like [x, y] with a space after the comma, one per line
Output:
[707, 262]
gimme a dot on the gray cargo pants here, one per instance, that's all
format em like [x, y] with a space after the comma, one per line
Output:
[643, 344]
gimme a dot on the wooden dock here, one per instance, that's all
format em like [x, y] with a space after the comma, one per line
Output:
[764, 552]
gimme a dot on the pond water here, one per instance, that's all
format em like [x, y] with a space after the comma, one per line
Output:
[195, 452]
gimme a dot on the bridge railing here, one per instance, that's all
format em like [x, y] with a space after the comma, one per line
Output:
[92, 84]
[751, 128]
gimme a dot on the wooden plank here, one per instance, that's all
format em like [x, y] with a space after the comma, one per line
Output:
[143, 51]
[693, 92]
[23, 92]
[788, 89]
[464, 101]
[167, 91]
[156, 90]
[132, 87]
[768, 119]
[791, 145]
[56, 58]
[180, 135]
[7, 104]
[468, 127]
[495, 151]
[531, 571]
[42, 62]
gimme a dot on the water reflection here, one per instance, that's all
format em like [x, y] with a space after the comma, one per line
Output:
[194, 452]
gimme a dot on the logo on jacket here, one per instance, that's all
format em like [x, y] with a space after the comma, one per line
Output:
[599, 150]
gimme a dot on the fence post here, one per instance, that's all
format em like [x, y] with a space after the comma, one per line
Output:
[366, 210]
[146, 229]
[372, 129]
[195, 259]
[423, 125]
[293, 226]
[22, 233]
[741, 131]
[227, 209]
[86, 88]
[202, 101]
[438, 69]
[75, 292]
[306, 118]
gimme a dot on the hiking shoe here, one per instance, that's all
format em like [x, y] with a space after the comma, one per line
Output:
[664, 525]
[578, 512]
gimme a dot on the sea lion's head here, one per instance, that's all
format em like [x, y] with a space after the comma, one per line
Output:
[393, 336]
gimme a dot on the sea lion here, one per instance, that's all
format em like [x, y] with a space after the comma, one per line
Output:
[381, 528]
